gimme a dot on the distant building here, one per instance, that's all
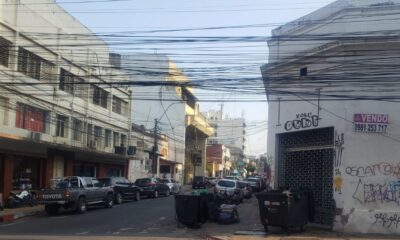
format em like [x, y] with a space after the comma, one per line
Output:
[218, 161]
[229, 132]
[164, 95]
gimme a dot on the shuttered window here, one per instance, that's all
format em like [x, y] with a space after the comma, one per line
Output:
[5, 47]
[72, 84]
[34, 66]
[30, 118]
[119, 106]
[100, 96]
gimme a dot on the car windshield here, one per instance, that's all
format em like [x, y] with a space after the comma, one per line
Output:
[142, 181]
[165, 181]
[198, 179]
[105, 182]
[229, 184]
[252, 179]
[68, 183]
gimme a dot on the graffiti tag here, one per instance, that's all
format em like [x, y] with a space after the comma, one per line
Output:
[383, 168]
[303, 120]
[377, 193]
[387, 221]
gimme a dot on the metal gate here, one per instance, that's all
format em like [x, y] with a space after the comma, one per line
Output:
[306, 160]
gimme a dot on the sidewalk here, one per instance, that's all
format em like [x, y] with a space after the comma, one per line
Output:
[9, 215]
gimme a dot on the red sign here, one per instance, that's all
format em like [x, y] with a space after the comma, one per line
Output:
[371, 118]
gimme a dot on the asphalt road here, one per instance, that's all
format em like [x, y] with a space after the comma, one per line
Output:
[148, 216]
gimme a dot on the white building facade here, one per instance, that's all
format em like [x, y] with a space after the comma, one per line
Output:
[59, 115]
[229, 132]
[333, 126]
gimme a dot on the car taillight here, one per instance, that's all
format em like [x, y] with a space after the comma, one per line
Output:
[67, 194]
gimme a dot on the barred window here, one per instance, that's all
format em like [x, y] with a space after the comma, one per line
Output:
[71, 83]
[5, 47]
[119, 106]
[34, 66]
[100, 96]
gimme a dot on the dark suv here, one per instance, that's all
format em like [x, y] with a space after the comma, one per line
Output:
[200, 182]
[152, 187]
[123, 188]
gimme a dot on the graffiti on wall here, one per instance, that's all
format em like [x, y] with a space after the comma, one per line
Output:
[387, 220]
[303, 120]
[382, 168]
[338, 154]
[388, 192]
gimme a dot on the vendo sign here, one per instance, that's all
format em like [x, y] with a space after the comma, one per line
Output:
[371, 122]
[371, 118]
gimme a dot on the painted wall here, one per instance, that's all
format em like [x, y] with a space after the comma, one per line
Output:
[366, 165]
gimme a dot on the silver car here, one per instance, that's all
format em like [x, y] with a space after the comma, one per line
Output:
[174, 186]
[230, 187]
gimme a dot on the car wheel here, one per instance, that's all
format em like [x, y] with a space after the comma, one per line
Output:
[167, 193]
[118, 198]
[81, 205]
[52, 209]
[155, 194]
[137, 197]
[109, 202]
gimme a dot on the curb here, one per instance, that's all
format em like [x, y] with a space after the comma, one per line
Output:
[8, 218]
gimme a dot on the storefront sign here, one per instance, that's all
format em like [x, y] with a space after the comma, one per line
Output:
[303, 120]
[373, 123]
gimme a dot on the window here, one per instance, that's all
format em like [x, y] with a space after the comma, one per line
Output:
[3, 111]
[77, 130]
[119, 106]
[34, 66]
[98, 135]
[100, 96]
[5, 47]
[30, 118]
[116, 139]
[107, 139]
[71, 83]
[123, 140]
[303, 72]
[62, 126]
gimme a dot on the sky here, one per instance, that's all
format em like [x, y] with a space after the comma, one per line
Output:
[217, 40]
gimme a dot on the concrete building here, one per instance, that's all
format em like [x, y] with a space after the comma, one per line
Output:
[332, 124]
[229, 132]
[140, 163]
[218, 161]
[163, 97]
[59, 115]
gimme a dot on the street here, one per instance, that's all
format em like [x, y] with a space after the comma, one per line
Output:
[147, 218]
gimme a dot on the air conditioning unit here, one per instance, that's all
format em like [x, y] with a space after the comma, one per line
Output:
[35, 136]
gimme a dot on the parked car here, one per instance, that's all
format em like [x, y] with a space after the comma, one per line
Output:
[152, 187]
[213, 181]
[123, 189]
[255, 183]
[232, 178]
[231, 188]
[200, 182]
[75, 193]
[174, 186]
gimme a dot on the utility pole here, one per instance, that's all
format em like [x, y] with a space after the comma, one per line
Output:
[155, 148]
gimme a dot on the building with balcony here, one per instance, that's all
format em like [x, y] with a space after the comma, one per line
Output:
[164, 100]
[218, 161]
[333, 124]
[59, 114]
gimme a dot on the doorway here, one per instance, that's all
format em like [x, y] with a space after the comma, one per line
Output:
[305, 159]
